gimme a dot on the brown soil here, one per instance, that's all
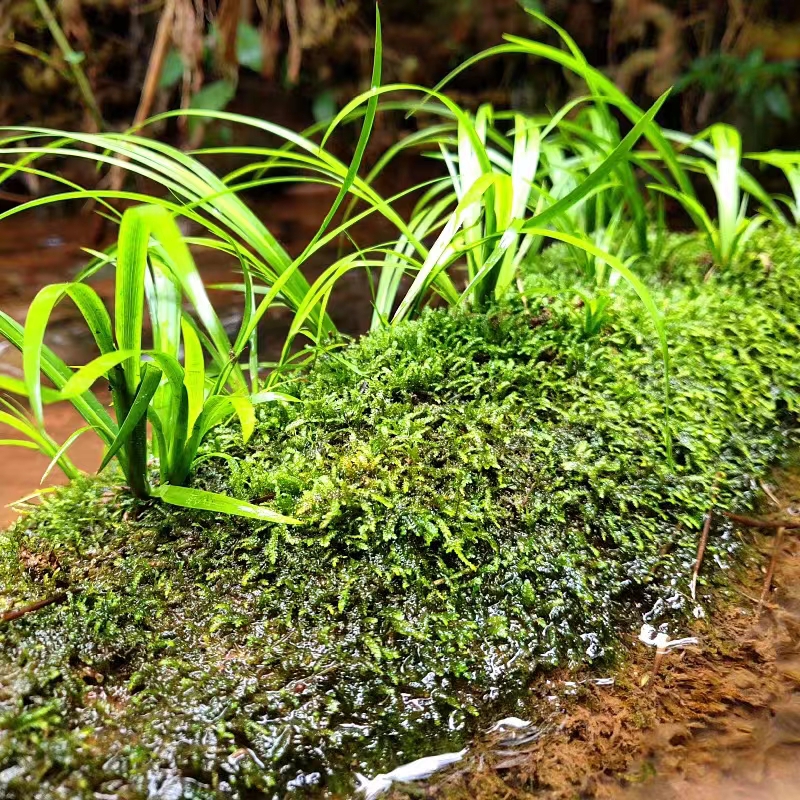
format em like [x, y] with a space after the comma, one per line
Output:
[720, 720]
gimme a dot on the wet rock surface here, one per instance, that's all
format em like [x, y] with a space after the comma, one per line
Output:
[185, 658]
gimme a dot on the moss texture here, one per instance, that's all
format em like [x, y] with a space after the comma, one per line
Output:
[483, 496]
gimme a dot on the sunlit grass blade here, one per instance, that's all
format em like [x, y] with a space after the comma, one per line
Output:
[728, 150]
[199, 500]
[15, 418]
[59, 373]
[16, 386]
[26, 443]
[93, 311]
[59, 455]
[269, 396]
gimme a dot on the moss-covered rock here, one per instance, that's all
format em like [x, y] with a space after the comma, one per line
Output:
[483, 495]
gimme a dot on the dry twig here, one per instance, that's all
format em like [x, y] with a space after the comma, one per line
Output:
[16, 613]
[701, 550]
[776, 549]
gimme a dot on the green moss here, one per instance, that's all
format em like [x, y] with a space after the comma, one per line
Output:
[483, 495]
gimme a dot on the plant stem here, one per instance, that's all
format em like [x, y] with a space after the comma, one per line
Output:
[72, 58]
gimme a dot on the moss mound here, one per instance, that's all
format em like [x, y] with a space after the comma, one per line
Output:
[484, 495]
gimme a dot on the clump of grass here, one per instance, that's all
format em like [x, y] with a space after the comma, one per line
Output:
[720, 161]
[500, 214]
[180, 401]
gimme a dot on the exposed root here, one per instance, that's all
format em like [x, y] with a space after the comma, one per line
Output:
[776, 549]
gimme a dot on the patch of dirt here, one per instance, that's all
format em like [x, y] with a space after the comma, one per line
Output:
[719, 720]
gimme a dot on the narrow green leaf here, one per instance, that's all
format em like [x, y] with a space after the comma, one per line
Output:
[93, 311]
[195, 372]
[16, 386]
[60, 453]
[19, 443]
[151, 378]
[85, 377]
[200, 500]
[243, 407]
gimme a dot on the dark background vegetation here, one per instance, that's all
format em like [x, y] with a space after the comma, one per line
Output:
[296, 60]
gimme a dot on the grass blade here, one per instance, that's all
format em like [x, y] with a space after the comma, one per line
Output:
[59, 455]
[151, 378]
[93, 311]
[200, 500]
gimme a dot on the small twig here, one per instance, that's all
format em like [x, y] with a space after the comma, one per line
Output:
[769, 493]
[752, 522]
[73, 59]
[776, 549]
[701, 551]
[754, 599]
[16, 613]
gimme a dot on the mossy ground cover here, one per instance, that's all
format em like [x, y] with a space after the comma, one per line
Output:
[483, 495]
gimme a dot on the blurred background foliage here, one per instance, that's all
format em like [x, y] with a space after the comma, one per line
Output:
[297, 61]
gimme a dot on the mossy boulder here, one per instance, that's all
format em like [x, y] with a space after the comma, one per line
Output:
[483, 496]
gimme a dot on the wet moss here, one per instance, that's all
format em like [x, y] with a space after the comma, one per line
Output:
[482, 496]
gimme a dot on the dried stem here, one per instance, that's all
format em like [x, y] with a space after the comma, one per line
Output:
[701, 550]
[73, 59]
[776, 549]
[154, 69]
[16, 613]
